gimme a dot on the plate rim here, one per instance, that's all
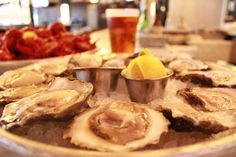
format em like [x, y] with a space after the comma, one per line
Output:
[198, 149]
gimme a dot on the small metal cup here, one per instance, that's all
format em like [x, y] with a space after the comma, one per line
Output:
[146, 90]
[104, 79]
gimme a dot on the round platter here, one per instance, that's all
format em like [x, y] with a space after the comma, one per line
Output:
[216, 148]
[220, 147]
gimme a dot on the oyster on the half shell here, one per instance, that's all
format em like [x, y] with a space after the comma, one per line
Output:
[52, 67]
[15, 94]
[117, 126]
[86, 60]
[169, 57]
[187, 64]
[53, 104]
[216, 78]
[210, 99]
[185, 116]
[20, 78]
[60, 83]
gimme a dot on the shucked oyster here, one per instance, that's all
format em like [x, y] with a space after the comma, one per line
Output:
[185, 116]
[53, 67]
[86, 60]
[210, 99]
[19, 78]
[215, 78]
[15, 94]
[118, 126]
[169, 57]
[60, 83]
[187, 64]
[47, 104]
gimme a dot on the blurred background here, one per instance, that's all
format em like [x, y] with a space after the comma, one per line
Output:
[206, 28]
[196, 14]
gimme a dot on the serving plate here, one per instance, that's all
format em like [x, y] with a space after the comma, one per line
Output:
[223, 147]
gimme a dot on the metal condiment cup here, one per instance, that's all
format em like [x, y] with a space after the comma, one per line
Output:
[104, 79]
[146, 90]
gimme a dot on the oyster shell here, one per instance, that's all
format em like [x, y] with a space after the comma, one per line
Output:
[86, 60]
[187, 64]
[99, 59]
[210, 99]
[60, 83]
[19, 78]
[118, 126]
[166, 59]
[52, 104]
[216, 78]
[53, 67]
[15, 94]
[185, 116]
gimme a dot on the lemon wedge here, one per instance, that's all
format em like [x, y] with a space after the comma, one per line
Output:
[145, 66]
[145, 51]
[151, 67]
[133, 70]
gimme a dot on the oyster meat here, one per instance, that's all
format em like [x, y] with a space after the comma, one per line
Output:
[117, 126]
[216, 78]
[185, 116]
[52, 104]
[60, 83]
[210, 99]
[169, 57]
[19, 78]
[86, 60]
[15, 94]
[53, 67]
[187, 64]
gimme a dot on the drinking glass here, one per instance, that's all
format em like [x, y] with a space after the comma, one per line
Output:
[122, 25]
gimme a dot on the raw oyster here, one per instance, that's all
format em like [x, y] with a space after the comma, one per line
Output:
[60, 83]
[187, 64]
[15, 94]
[216, 78]
[210, 99]
[99, 59]
[118, 126]
[167, 58]
[184, 116]
[47, 104]
[19, 78]
[53, 67]
[86, 60]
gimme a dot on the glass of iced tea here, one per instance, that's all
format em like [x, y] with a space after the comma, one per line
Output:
[122, 25]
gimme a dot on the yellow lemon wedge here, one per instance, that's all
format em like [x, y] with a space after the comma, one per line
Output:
[29, 35]
[145, 51]
[145, 66]
[151, 67]
[133, 70]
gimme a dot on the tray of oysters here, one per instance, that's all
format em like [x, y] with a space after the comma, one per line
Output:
[139, 105]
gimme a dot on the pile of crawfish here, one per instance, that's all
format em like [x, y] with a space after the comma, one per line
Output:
[30, 42]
